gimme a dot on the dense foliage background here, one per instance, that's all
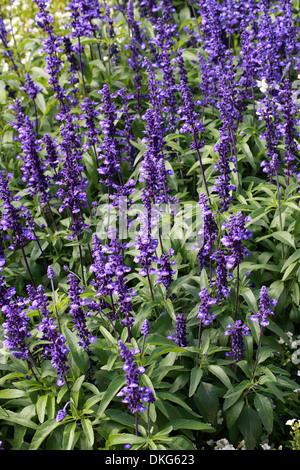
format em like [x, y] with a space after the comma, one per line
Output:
[141, 341]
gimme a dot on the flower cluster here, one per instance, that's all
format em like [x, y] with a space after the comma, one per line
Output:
[16, 329]
[133, 394]
[13, 219]
[204, 311]
[31, 88]
[265, 310]
[54, 348]
[208, 232]
[237, 233]
[237, 331]
[180, 331]
[78, 314]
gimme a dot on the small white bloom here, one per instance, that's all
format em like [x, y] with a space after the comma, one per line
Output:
[262, 84]
[265, 446]
[295, 355]
[219, 417]
[227, 447]
[221, 443]
[290, 422]
[265, 439]
[242, 445]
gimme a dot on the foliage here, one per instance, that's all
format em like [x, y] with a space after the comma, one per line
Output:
[174, 105]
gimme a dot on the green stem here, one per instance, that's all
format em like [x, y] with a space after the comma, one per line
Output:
[257, 352]
[237, 290]
[279, 210]
[136, 431]
[198, 343]
[81, 68]
[27, 266]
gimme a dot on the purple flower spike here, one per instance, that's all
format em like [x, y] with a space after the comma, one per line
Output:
[222, 275]
[61, 414]
[208, 231]
[180, 331]
[264, 308]
[204, 312]
[30, 87]
[16, 330]
[237, 331]
[50, 273]
[132, 393]
[78, 314]
[55, 347]
[233, 241]
[145, 330]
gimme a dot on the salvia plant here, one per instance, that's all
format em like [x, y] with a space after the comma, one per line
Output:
[149, 225]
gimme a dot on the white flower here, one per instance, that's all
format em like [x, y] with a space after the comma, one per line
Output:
[265, 439]
[5, 67]
[290, 422]
[295, 358]
[242, 445]
[265, 446]
[219, 418]
[262, 84]
[223, 444]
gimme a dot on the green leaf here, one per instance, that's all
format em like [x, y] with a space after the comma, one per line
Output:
[75, 390]
[69, 436]
[175, 285]
[10, 416]
[234, 412]
[42, 432]
[121, 417]
[108, 335]
[265, 411]
[11, 394]
[289, 271]
[41, 407]
[285, 237]
[250, 427]
[40, 102]
[191, 424]
[248, 154]
[110, 393]
[116, 439]
[180, 443]
[196, 375]
[250, 299]
[88, 430]
[175, 399]
[233, 395]
[221, 374]
[208, 401]
[79, 356]
[294, 257]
